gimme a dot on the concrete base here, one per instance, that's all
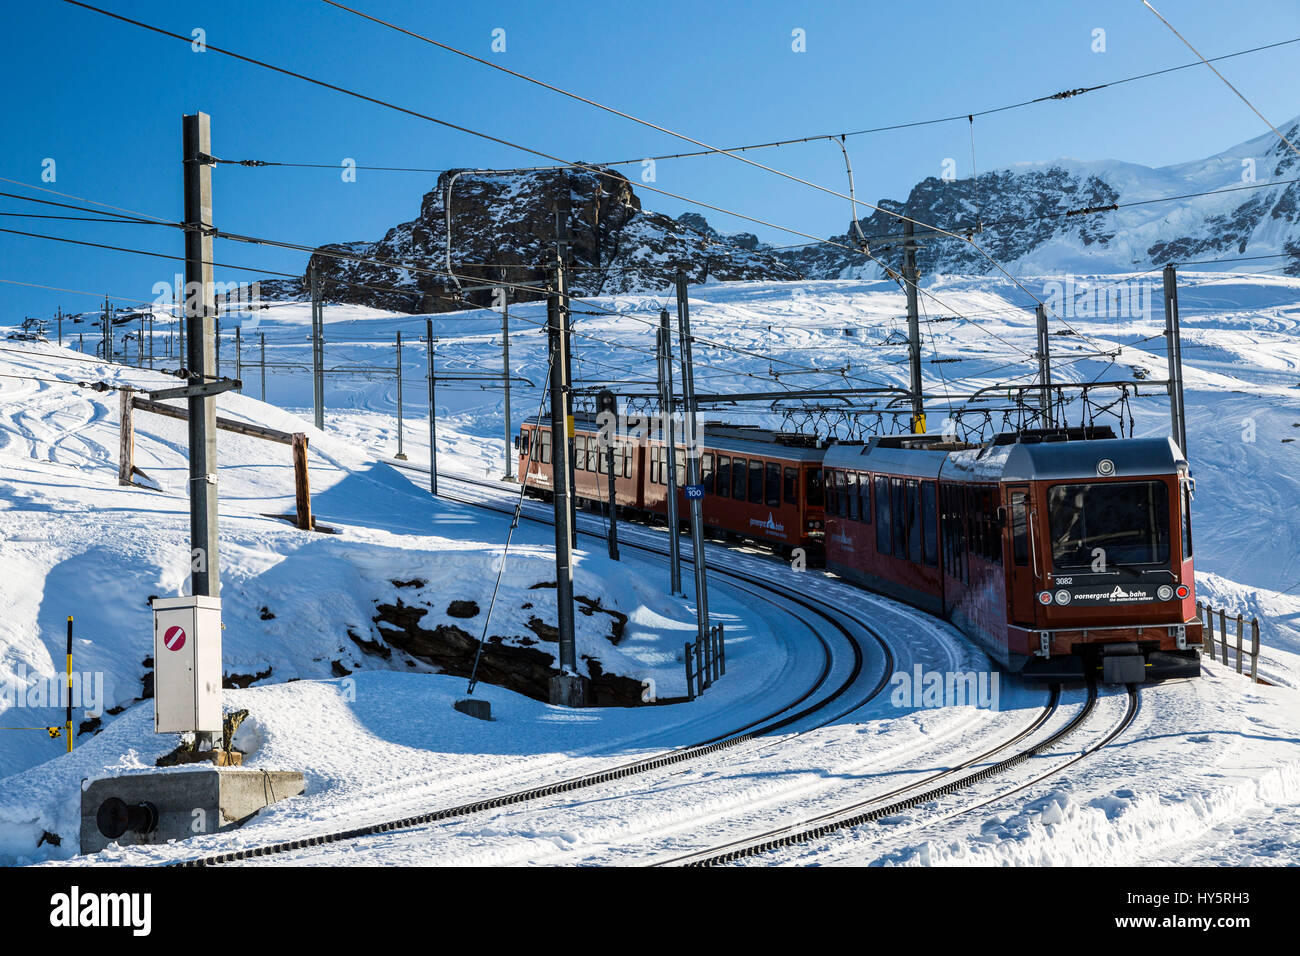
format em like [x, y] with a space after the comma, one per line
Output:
[569, 690]
[184, 804]
[474, 707]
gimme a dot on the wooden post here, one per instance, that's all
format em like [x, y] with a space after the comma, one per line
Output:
[1239, 627]
[301, 483]
[1254, 649]
[1209, 630]
[126, 440]
[690, 679]
[722, 648]
[1223, 634]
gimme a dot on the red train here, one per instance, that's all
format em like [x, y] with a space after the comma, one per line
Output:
[1061, 553]
[758, 484]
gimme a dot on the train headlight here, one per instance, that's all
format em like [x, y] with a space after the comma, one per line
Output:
[1044, 597]
[1165, 592]
[1183, 590]
[1062, 596]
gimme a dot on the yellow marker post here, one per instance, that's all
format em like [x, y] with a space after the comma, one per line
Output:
[69, 676]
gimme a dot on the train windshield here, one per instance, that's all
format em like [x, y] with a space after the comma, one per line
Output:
[1097, 526]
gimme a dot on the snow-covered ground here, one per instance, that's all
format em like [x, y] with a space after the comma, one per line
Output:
[1209, 769]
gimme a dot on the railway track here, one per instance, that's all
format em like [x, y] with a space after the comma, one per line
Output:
[818, 700]
[937, 786]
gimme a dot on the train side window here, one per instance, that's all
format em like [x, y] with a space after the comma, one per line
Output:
[883, 543]
[706, 472]
[739, 472]
[681, 467]
[994, 529]
[1187, 522]
[829, 475]
[792, 486]
[835, 489]
[755, 481]
[851, 495]
[929, 525]
[898, 515]
[597, 460]
[913, 521]
[546, 448]
[629, 452]
[772, 485]
[522, 443]
[1020, 528]
[654, 464]
[724, 476]
[579, 452]
[864, 497]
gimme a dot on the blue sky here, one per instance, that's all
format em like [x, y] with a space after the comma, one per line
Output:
[104, 100]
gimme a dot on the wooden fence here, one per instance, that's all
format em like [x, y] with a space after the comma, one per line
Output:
[127, 471]
[1208, 615]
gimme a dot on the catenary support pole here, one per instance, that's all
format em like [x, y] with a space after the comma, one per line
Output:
[693, 449]
[200, 311]
[568, 687]
[262, 344]
[317, 349]
[433, 406]
[504, 294]
[1044, 367]
[913, 329]
[1174, 351]
[401, 454]
[667, 405]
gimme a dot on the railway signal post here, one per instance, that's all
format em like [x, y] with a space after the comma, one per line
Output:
[666, 403]
[505, 366]
[695, 488]
[568, 688]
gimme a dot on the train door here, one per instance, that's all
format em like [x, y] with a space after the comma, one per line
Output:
[1023, 584]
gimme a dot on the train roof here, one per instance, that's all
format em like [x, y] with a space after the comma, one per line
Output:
[746, 440]
[1009, 457]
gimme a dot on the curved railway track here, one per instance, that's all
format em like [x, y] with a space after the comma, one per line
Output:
[922, 792]
[781, 718]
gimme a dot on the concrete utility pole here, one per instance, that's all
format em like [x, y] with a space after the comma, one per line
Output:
[401, 455]
[913, 328]
[562, 253]
[108, 332]
[262, 338]
[60, 326]
[568, 687]
[696, 489]
[239, 358]
[666, 403]
[505, 365]
[200, 310]
[1174, 351]
[1044, 367]
[433, 407]
[317, 349]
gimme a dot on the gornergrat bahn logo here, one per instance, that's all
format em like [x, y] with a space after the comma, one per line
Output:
[771, 524]
[1116, 595]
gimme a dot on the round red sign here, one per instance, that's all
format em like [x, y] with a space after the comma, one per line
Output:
[174, 638]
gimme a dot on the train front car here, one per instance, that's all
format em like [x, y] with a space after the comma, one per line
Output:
[1097, 552]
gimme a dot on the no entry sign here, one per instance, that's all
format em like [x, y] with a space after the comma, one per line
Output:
[174, 638]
